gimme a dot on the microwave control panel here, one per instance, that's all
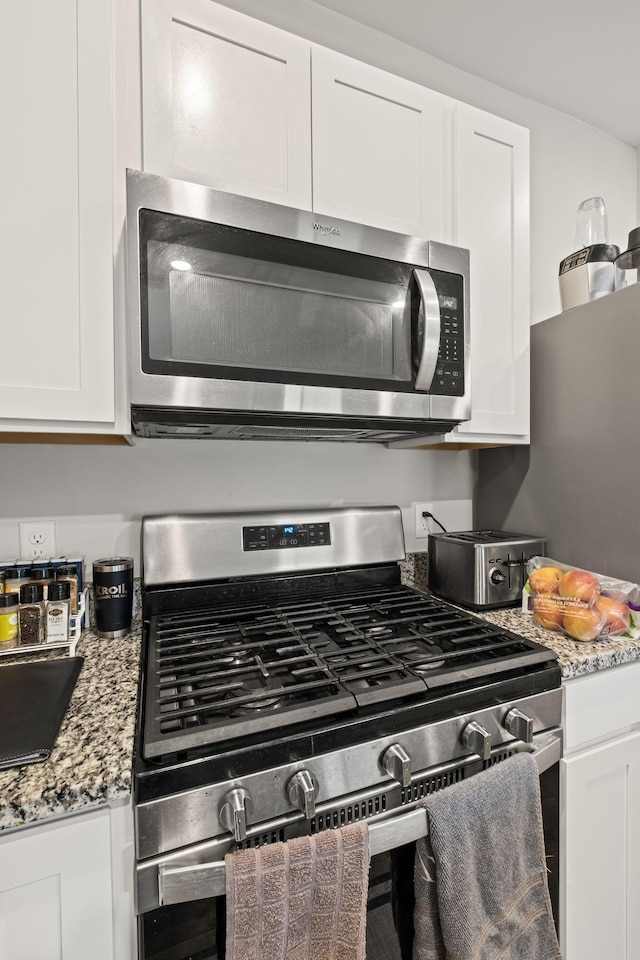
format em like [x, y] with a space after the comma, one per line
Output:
[286, 536]
[448, 379]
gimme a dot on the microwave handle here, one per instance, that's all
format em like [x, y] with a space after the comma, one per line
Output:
[430, 340]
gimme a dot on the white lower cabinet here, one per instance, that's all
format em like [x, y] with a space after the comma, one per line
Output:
[600, 818]
[66, 889]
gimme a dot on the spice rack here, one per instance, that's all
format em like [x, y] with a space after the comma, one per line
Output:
[75, 632]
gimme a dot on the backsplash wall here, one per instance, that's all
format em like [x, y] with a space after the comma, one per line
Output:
[98, 495]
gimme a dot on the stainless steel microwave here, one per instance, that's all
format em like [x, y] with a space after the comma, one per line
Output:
[251, 320]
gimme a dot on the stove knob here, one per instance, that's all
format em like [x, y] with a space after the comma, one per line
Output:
[397, 763]
[477, 739]
[303, 790]
[519, 725]
[235, 812]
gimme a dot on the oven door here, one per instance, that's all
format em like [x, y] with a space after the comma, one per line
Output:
[241, 305]
[189, 925]
[196, 930]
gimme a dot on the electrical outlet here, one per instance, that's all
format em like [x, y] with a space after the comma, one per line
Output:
[422, 523]
[37, 539]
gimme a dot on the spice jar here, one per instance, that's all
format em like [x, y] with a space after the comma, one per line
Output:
[9, 621]
[32, 615]
[57, 629]
[15, 578]
[70, 573]
[44, 576]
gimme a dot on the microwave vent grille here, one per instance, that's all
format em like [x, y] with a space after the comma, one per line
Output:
[293, 433]
[175, 428]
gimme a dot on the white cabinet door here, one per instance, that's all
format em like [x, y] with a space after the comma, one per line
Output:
[600, 852]
[226, 101]
[379, 148]
[491, 190]
[56, 243]
[55, 891]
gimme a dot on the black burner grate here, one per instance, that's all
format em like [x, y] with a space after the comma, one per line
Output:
[219, 674]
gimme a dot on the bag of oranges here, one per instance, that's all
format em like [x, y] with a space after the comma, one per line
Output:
[583, 605]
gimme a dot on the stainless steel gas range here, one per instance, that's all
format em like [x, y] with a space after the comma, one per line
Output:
[293, 684]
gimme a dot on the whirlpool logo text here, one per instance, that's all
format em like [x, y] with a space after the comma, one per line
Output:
[327, 231]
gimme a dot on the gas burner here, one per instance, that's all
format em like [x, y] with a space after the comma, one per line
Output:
[423, 662]
[254, 705]
[238, 657]
[259, 683]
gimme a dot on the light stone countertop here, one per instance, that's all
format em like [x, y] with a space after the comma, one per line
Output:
[91, 763]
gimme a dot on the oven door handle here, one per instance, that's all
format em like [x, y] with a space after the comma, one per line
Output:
[180, 884]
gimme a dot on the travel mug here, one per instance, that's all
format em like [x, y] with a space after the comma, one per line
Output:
[113, 596]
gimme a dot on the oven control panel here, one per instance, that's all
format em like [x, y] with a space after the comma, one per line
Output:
[286, 536]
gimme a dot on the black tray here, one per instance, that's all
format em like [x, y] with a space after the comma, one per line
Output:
[34, 698]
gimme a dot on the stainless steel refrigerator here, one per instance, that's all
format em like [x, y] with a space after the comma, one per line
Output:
[578, 483]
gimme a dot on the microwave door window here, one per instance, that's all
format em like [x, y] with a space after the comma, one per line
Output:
[210, 309]
[239, 322]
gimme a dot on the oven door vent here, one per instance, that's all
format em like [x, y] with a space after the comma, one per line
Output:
[341, 816]
[421, 788]
[272, 836]
[497, 758]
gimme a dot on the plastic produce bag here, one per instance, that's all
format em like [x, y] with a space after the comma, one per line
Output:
[579, 603]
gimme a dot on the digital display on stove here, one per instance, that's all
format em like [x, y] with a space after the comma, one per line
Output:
[286, 536]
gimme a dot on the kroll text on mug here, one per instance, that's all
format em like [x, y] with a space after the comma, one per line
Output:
[113, 596]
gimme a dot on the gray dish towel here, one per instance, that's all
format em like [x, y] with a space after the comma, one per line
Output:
[301, 900]
[480, 876]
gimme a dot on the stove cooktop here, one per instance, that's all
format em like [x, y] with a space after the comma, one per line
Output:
[232, 671]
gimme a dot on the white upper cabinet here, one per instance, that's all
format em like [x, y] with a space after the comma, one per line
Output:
[379, 148]
[226, 101]
[56, 244]
[490, 171]
[491, 187]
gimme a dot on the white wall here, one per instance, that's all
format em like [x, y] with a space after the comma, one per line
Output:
[570, 160]
[97, 495]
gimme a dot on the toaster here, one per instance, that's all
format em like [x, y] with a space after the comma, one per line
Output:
[480, 568]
